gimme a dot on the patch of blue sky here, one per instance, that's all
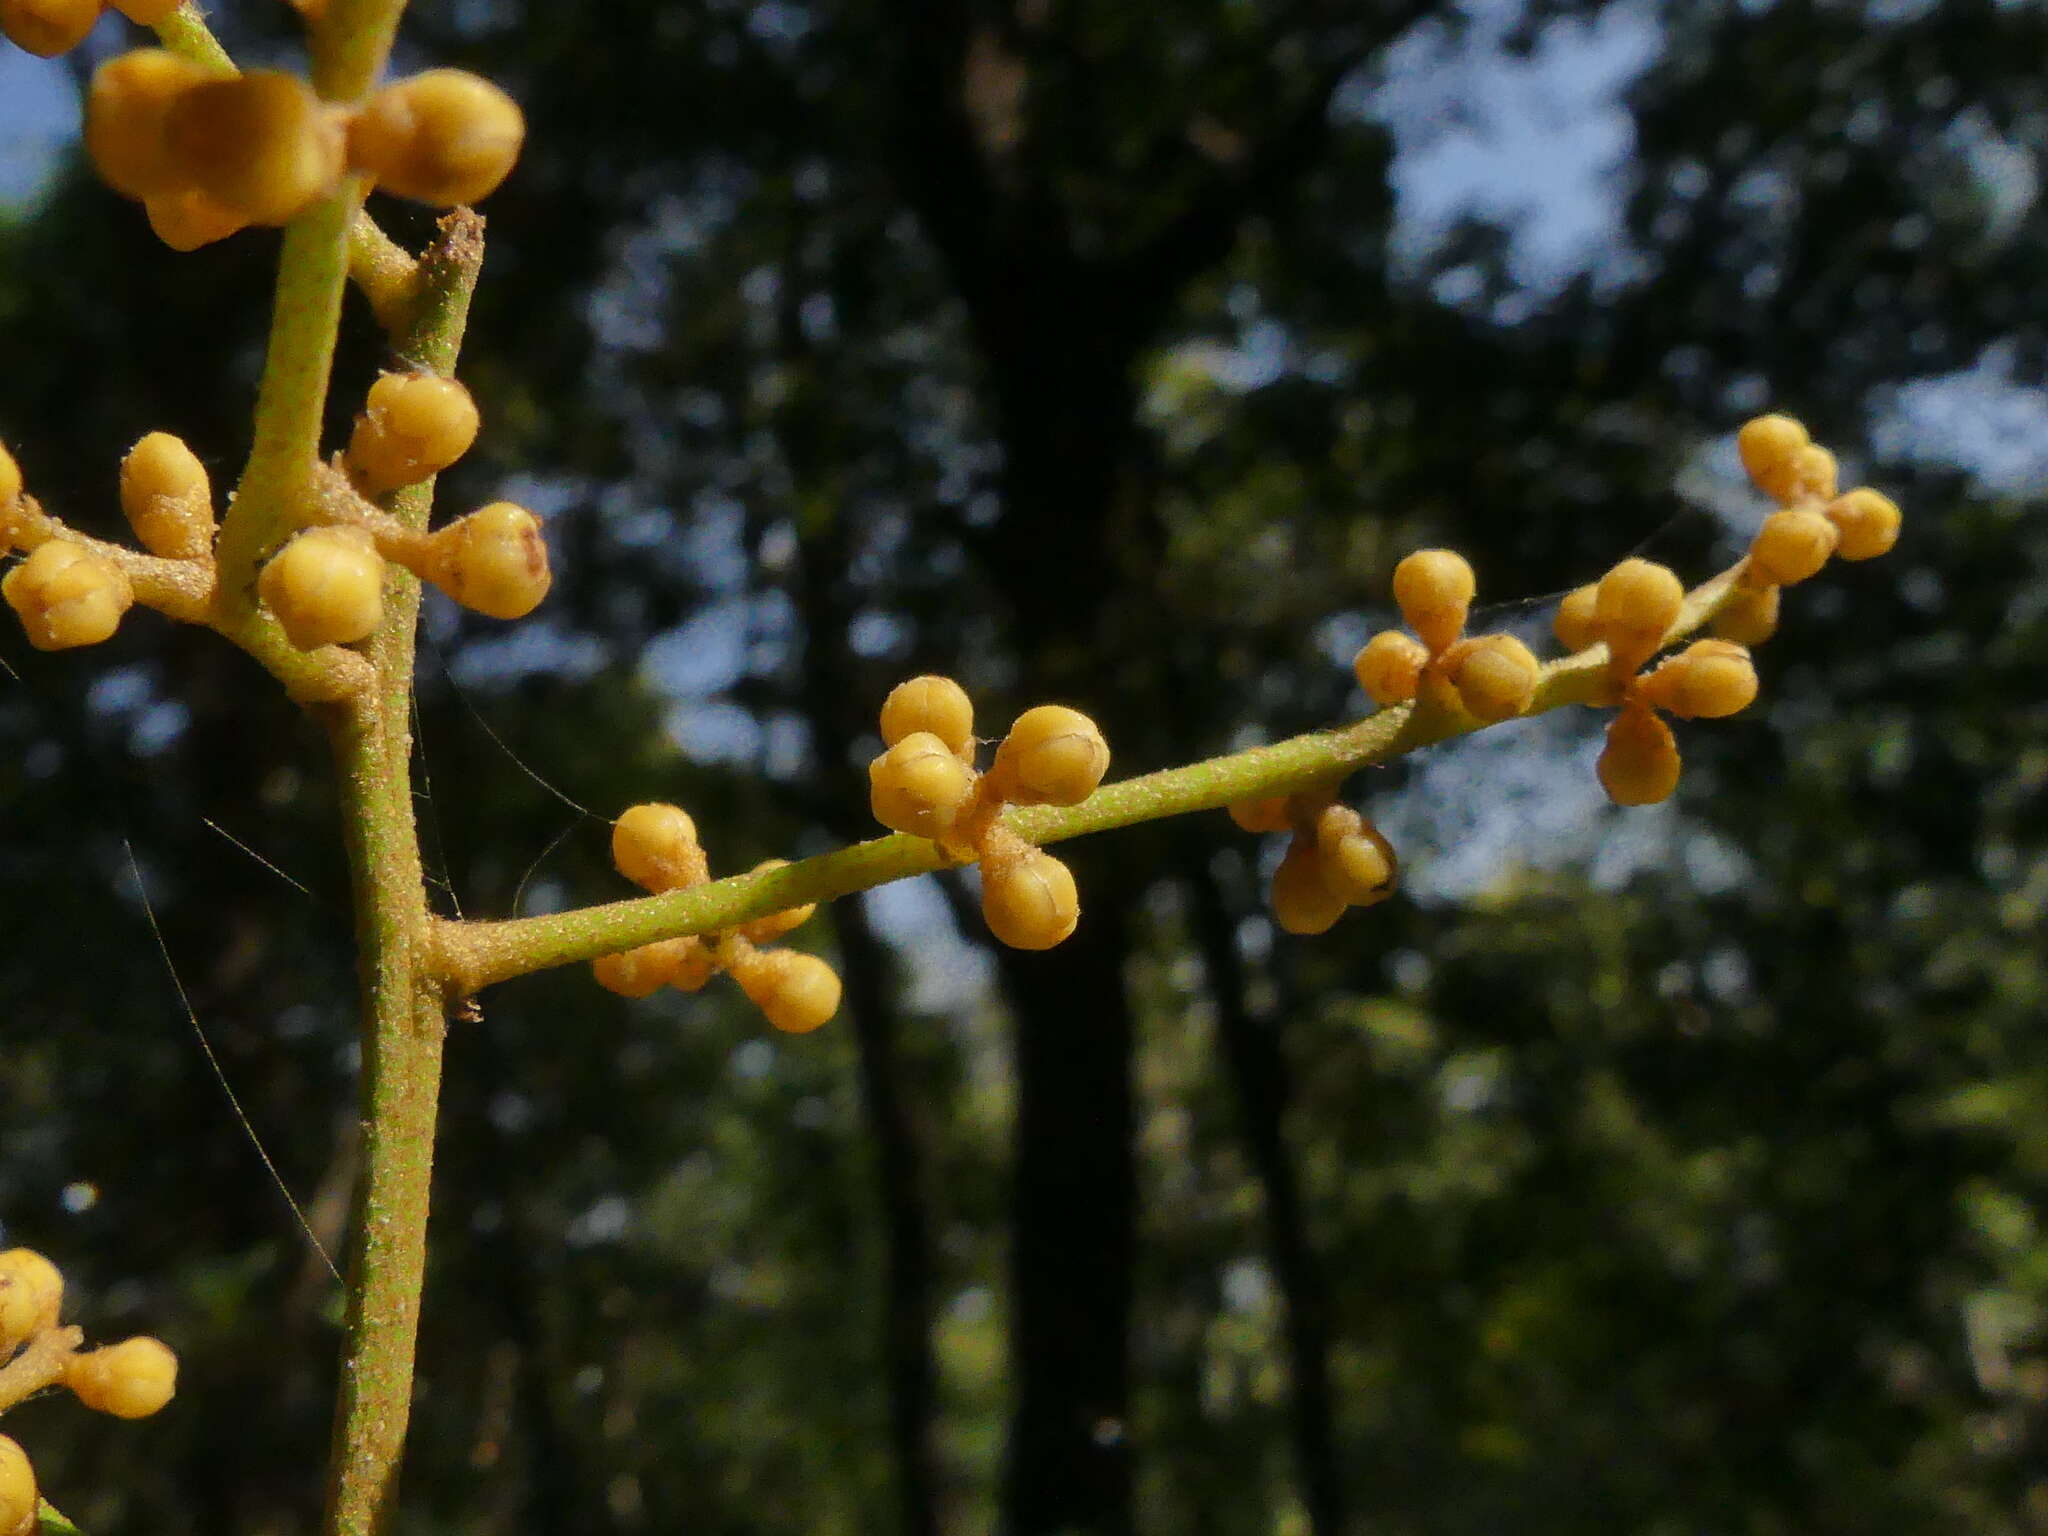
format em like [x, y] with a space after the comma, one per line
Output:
[1535, 142]
[38, 123]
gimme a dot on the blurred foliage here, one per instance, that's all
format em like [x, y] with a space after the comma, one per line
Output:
[1678, 1174]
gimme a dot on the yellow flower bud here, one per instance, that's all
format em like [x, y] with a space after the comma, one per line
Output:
[168, 498]
[1639, 764]
[919, 786]
[1813, 474]
[1029, 899]
[764, 930]
[796, 992]
[694, 964]
[31, 1296]
[1634, 606]
[19, 1500]
[1303, 901]
[1868, 522]
[65, 595]
[443, 137]
[10, 479]
[1577, 624]
[1434, 588]
[1267, 815]
[261, 145]
[187, 219]
[937, 705]
[1495, 677]
[412, 426]
[493, 560]
[1354, 859]
[1389, 667]
[1708, 680]
[325, 587]
[1052, 756]
[48, 27]
[1750, 616]
[1770, 446]
[641, 972]
[655, 846]
[1792, 545]
[130, 1380]
[127, 113]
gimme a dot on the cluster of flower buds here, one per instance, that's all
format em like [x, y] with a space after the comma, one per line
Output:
[1336, 859]
[1812, 522]
[130, 1380]
[50, 27]
[208, 154]
[1489, 677]
[925, 783]
[1631, 610]
[325, 585]
[655, 846]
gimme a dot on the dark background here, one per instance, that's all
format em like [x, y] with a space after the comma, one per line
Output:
[1656, 1172]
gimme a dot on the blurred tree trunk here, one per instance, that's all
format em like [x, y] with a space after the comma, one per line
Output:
[1259, 1081]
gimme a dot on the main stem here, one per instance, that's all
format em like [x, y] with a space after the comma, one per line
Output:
[403, 1013]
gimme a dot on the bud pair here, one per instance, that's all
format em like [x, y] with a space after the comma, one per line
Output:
[1339, 860]
[795, 991]
[1784, 462]
[1631, 608]
[205, 150]
[644, 971]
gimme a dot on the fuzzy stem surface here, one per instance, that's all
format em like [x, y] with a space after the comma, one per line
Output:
[403, 1016]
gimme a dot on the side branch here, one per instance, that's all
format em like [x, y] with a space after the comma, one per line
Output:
[472, 955]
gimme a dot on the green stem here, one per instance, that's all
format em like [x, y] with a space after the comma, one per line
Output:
[473, 955]
[402, 995]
